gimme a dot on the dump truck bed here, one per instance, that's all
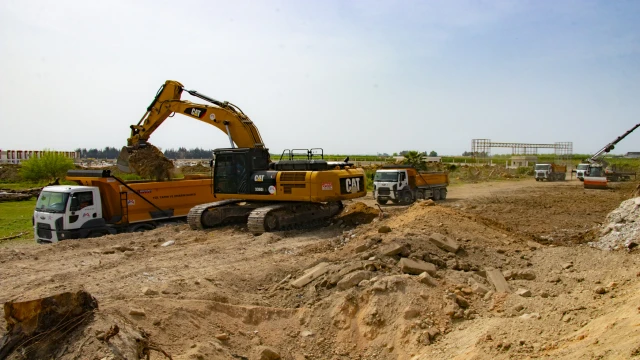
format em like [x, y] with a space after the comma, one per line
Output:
[131, 202]
[430, 178]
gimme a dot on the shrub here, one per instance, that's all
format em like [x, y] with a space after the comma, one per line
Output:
[48, 166]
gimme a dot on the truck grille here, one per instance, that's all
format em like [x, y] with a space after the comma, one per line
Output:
[384, 191]
[44, 231]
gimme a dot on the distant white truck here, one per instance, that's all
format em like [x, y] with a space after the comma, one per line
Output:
[402, 184]
[581, 170]
[550, 172]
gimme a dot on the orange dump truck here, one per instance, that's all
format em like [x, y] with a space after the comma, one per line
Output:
[103, 204]
[405, 184]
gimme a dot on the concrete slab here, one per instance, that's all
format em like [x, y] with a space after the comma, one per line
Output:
[444, 242]
[310, 275]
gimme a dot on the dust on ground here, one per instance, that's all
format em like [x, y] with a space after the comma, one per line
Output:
[150, 162]
[226, 294]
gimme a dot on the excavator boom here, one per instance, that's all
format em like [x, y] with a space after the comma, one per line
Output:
[222, 114]
[610, 146]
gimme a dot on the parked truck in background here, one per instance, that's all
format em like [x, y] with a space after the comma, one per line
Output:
[581, 171]
[404, 185]
[103, 204]
[550, 172]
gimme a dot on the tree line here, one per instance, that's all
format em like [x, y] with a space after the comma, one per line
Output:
[112, 153]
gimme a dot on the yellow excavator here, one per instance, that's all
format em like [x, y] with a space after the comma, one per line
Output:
[298, 190]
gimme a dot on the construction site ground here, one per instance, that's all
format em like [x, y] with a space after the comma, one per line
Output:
[227, 294]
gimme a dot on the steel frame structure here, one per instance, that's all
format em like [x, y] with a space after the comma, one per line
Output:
[481, 148]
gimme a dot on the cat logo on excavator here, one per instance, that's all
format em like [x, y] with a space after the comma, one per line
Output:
[194, 111]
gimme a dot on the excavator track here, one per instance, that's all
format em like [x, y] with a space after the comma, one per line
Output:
[283, 216]
[195, 216]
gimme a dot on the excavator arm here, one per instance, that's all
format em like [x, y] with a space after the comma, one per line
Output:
[221, 114]
[610, 146]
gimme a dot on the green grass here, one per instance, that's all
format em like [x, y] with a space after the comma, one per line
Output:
[15, 218]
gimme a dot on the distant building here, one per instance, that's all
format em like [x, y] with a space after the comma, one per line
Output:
[433, 159]
[17, 156]
[523, 160]
[632, 155]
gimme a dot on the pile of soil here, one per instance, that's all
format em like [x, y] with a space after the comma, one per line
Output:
[10, 173]
[474, 174]
[150, 162]
[197, 169]
[358, 213]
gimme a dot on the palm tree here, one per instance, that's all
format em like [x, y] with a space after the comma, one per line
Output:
[415, 159]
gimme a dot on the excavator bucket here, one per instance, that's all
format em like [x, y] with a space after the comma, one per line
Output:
[595, 182]
[123, 159]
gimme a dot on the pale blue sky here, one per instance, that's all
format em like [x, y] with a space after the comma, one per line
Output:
[349, 76]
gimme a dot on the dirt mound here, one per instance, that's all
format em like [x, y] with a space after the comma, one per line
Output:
[358, 213]
[197, 169]
[10, 173]
[150, 162]
[443, 282]
[621, 228]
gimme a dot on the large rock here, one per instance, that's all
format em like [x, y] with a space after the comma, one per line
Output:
[411, 312]
[445, 243]
[337, 276]
[525, 274]
[479, 289]
[266, 353]
[498, 281]
[148, 291]
[395, 249]
[416, 267]
[425, 278]
[384, 229]
[353, 279]
[311, 275]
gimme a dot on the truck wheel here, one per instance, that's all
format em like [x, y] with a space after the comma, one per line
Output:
[436, 195]
[443, 194]
[407, 197]
[382, 202]
[420, 195]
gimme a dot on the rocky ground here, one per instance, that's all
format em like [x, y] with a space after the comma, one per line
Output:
[499, 270]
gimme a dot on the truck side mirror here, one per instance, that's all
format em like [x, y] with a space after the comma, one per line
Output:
[211, 163]
[75, 204]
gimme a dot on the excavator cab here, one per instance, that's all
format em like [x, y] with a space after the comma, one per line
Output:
[236, 171]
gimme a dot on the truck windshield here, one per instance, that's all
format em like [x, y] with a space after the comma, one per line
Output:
[542, 167]
[53, 202]
[583, 166]
[386, 176]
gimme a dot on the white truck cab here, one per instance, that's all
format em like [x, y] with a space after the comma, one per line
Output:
[404, 185]
[581, 170]
[68, 212]
[542, 171]
[387, 182]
